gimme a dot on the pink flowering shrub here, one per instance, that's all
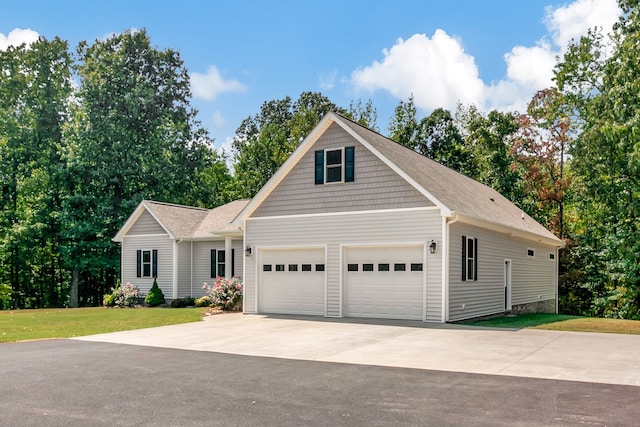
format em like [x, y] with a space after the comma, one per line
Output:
[225, 293]
[126, 295]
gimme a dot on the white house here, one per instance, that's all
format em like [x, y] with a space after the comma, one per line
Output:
[356, 225]
[182, 246]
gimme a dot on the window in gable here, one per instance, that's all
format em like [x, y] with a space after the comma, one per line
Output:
[531, 253]
[335, 165]
[333, 159]
[469, 259]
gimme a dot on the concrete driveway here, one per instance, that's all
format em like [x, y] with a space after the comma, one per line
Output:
[574, 356]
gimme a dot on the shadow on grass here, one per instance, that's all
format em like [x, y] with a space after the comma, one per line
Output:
[519, 321]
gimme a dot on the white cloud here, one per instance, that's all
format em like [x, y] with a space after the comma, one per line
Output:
[572, 21]
[18, 36]
[327, 81]
[208, 86]
[436, 70]
[439, 73]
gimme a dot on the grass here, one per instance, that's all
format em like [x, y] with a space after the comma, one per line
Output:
[561, 322]
[20, 325]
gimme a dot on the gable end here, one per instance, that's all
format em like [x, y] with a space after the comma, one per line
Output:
[367, 183]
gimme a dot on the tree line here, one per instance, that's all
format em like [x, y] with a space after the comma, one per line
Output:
[85, 136]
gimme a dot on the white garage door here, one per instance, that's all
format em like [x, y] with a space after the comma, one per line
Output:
[292, 281]
[384, 282]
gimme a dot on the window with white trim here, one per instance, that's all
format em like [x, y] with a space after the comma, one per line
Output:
[334, 165]
[147, 263]
[219, 263]
[469, 259]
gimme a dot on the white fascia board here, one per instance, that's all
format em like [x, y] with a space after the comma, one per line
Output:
[445, 210]
[286, 167]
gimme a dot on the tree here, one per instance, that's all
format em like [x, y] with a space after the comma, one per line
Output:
[264, 142]
[132, 136]
[487, 138]
[366, 115]
[540, 146]
[601, 81]
[35, 83]
[403, 127]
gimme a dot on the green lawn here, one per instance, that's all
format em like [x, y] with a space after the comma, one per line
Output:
[19, 325]
[561, 322]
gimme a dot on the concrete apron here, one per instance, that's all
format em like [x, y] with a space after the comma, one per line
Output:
[574, 356]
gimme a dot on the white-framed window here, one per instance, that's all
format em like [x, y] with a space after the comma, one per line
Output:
[147, 263]
[334, 165]
[469, 259]
[531, 253]
[218, 263]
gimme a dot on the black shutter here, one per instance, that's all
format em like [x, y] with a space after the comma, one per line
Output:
[154, 263]
[213, 263]
[464, 258]
[349, 164]
[233, 263]
[138, 263]
[475, 259]
[319, 167]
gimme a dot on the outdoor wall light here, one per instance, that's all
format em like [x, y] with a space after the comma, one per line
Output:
[247, 251]
[432, 247]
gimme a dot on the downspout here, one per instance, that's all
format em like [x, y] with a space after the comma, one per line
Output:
[557, 271]
[175, 269]
[191, 269]
[446, 223]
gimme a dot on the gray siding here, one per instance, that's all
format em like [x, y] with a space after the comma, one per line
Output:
[184, 269]
[332, 231]
[164, 245]
[146, 224]
[298, 194]
[202, 263]
[532, 279]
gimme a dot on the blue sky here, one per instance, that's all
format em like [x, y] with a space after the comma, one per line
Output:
[494, 54]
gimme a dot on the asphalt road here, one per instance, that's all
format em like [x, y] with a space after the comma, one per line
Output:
[76, 383]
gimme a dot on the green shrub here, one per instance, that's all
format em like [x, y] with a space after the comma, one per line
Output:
[155, 296]
[109, 300]
[204, 301]
[5, 297]
[183, 302]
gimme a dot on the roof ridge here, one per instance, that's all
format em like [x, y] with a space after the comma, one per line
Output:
[175, 205]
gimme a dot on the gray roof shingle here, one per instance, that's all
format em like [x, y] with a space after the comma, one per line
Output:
[456, 191]
[191, 222]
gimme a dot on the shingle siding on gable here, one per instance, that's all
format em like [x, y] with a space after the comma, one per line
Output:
[146, 224]
[298, 193]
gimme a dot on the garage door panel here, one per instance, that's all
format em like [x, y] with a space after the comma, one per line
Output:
[393, 289]
[292, 281]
